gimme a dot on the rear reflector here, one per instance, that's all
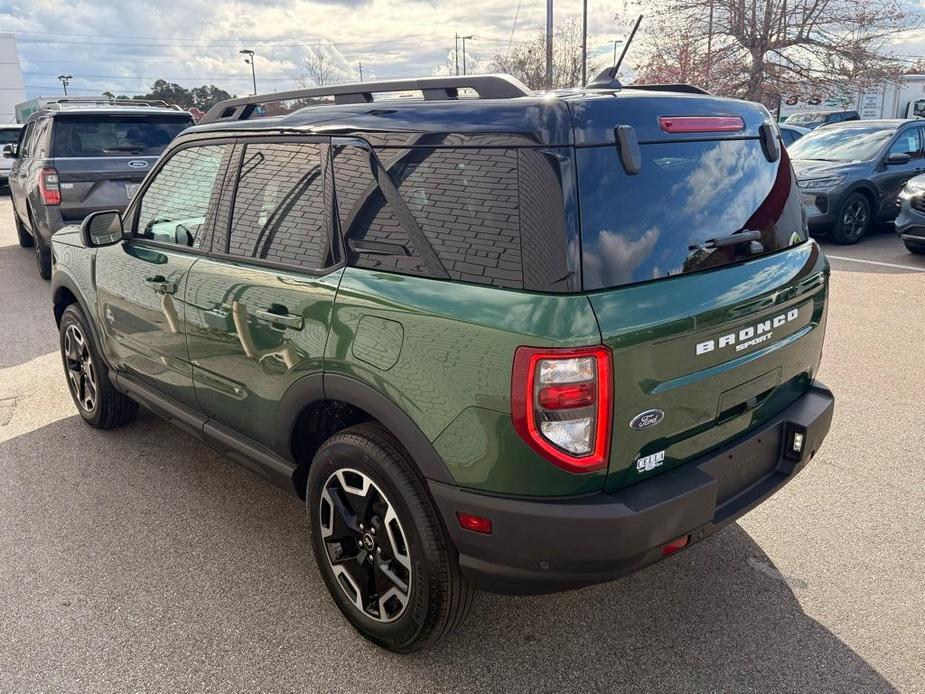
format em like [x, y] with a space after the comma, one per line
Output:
[476, 524]
[675, 545]
[701, 124]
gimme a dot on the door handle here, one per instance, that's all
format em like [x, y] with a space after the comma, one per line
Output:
[279, 316]
[161, 285]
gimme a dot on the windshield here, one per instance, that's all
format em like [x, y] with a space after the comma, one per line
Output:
[9, 136]
[676, 214]
[842, 144]
[103, 135]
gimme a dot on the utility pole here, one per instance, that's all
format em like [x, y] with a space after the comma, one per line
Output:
[710, 47]
[456, 54]
[584, 42]
[65, 80]
[250, 59]
[464, 39]
[548, 44]
[360, 65]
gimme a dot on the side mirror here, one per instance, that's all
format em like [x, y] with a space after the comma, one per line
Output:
[9, 151]
[898, 158]
[102, 229]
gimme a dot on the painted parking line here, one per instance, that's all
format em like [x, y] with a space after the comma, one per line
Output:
[876, 262]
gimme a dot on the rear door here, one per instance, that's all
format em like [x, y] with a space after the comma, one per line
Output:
[259, 307]
[141, 282]
[703, 283]
[102, 158]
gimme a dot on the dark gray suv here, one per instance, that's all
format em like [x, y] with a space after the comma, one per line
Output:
[850, 174]
[76, 158]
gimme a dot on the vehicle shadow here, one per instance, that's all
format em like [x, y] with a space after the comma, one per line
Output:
[26, 304]
[140, 553]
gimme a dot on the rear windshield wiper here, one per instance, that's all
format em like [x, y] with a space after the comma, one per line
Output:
[732, 240]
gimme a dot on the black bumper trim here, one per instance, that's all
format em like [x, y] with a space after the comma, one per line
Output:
[539, 546]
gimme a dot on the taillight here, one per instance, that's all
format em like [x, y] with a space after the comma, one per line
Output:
[701, 124]
[561, 404]
[48, 186]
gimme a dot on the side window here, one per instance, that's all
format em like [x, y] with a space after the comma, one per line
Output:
[175, 206]
[24, 139]
[279, 209]
[908, 142]
[39, 141]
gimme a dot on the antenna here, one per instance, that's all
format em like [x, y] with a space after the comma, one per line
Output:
[607, 79]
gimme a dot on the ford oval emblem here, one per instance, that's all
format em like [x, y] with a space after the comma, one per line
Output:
[138, 164]
[647, 419]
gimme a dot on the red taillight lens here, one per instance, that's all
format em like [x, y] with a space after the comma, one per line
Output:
[701, 124]
[561, 404]
[675, 545]
[476, 524]
[48, 186]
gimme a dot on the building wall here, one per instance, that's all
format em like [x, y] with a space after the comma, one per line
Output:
[12, 89]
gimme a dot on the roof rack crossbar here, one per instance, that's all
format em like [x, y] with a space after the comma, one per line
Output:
[432, 88]
[64, 101]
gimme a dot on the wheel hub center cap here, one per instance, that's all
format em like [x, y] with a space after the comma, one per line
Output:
[368, 542]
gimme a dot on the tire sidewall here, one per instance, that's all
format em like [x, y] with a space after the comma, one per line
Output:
[340, 453]
[840, 235]
[74, 316]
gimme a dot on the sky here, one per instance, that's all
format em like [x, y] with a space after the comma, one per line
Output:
[123, 45]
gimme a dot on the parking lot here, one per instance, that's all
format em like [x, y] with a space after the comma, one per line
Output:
[140, 560]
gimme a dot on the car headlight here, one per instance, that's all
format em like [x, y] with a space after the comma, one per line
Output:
[819, 183]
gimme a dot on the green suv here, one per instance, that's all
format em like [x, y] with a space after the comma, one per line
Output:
[495, 339]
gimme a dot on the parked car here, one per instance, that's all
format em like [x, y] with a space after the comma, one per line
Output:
[850, 174]
[483, 355]
[73, 159]
[791, 133]
[815, 119]
[910, 223]
[9, 134]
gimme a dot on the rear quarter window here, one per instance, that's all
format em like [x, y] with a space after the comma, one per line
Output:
[659, 222]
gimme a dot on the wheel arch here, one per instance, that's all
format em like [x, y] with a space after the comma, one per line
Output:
[868, 190]
[316, 407]
[65, 291]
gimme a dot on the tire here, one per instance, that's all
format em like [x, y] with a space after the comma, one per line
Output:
[917, 248]
[42, 252]
[101, 405]
[853, 220]
[386, 491]
[25, 238]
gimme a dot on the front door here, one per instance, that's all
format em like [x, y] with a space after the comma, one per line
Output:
[259, 308]
[141, 282]
[894, 176]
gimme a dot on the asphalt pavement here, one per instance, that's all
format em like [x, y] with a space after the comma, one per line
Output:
[140, 560]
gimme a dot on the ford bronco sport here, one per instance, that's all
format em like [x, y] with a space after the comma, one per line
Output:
[510, 341]
[80, 155]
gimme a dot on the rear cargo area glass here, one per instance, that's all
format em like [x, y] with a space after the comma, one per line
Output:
[100, 135]
[660, 222]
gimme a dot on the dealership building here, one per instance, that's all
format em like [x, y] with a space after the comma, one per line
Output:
[12, 89]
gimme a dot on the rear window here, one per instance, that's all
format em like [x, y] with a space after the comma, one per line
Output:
[115, 136]
[664, 220]
[9, 136]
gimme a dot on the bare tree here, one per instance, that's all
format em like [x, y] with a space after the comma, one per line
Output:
[527, 61]
[762, 49]
[324, 65]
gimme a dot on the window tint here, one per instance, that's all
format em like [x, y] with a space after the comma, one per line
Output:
[115, 136]
[661, 222]
[25, 138]
[279, 209]
[176, 204]
[455, 213]
[39, 139]
[908, 142]
[9, 136]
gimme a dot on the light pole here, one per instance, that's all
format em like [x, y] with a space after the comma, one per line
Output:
[548, 44]
[65, 80]
[464, 39]
[250, 59]
[584, 42]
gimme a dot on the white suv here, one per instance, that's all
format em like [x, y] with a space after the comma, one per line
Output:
[9, 135]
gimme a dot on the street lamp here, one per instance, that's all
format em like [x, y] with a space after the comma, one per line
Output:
[250, 60]
[464, 39]
[65, 80]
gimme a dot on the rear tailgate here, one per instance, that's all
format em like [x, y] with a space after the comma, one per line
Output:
[89, 184]
[710, 336]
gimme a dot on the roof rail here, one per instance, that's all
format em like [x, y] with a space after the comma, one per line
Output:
[433, 88]
[679, 87]
[65, 101]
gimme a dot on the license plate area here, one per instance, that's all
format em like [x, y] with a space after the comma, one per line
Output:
[745, 465]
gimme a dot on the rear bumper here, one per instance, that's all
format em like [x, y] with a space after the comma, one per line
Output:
[539, 546]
